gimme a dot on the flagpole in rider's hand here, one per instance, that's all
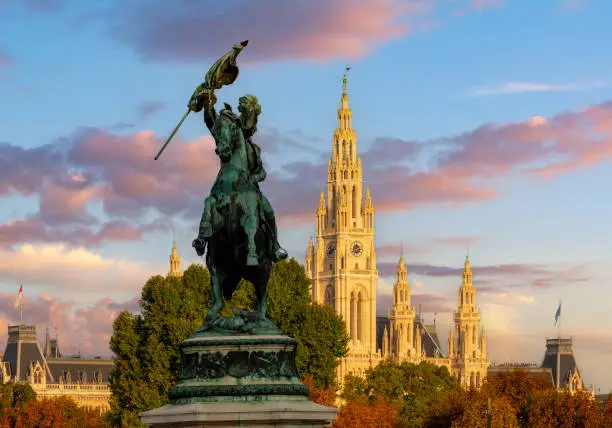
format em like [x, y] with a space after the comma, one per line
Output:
[223, 72]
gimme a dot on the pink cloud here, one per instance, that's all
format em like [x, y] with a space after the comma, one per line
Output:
[48, 266]
[34, 230]
[395, 249]
[119, 172]
[317, 30]
[513, 275]
[87, 328]
[292, 29]
[428, 302]
[461, 241]
[66, 204]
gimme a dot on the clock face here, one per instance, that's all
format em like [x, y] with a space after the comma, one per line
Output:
[356, 249]
[331, 250]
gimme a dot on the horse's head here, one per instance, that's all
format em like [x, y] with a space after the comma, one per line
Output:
[227, 132]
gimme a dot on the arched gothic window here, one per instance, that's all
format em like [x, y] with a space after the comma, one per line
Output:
[360, 307]
[353, 317]
[328, 299]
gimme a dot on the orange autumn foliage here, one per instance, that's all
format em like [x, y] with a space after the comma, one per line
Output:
[324, 396]
[607, 412]
[517, 386]
[561, 409]
[476, 409]
[365, 413]
[58, 412]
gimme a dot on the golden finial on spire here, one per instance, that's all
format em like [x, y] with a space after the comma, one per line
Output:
[344, 78]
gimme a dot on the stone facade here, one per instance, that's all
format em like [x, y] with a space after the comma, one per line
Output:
[341, 264]
[50, 374]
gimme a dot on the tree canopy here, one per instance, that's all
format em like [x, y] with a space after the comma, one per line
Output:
[146, 345]
[410, 389]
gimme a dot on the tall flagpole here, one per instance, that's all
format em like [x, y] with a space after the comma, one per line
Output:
[559, 347]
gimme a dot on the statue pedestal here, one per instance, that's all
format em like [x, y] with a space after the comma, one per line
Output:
[224, 415]
[230, 380]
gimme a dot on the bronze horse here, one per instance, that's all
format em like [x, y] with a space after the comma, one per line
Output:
[239, 246]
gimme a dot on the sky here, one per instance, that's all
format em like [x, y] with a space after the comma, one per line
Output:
[482, 124]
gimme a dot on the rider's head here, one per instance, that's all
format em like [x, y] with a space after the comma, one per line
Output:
[249, 109]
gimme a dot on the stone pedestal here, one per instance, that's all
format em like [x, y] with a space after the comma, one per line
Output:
[239, 380]
[281, 413]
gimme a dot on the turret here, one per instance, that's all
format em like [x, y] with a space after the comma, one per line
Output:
[308, 263]
[368, 210]
[321, 214]
[467, 294]
[450, 342]
[47, 350]
[483, 343]
[385, 343]
[417, 342]
[175, 263]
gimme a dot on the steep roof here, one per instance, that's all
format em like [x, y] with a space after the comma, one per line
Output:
[381, 323]
[429, 336]
[430, 340]
[23, 349]
[567, 362]
[74, 366]
[537, 372]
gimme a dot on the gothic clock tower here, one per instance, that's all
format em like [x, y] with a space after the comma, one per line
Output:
[342, 262]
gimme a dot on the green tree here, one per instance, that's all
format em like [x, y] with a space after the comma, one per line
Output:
[146, 346]
[322, 340]
[319, 331]
[242, 299]
[130, 394]
[353, 387]
[412, 388]
[22, 394]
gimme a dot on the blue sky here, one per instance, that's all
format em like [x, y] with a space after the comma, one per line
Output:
[444, 96]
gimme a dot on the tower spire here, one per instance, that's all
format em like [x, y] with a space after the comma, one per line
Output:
[344, 114]
[175, 262]
[344, 79]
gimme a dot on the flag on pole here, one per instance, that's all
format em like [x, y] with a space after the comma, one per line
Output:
[558, 314]
[19, 299]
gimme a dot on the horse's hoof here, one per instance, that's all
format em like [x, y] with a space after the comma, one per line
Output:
[252, 260]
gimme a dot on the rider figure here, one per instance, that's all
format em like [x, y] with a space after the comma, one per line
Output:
[249, 110]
